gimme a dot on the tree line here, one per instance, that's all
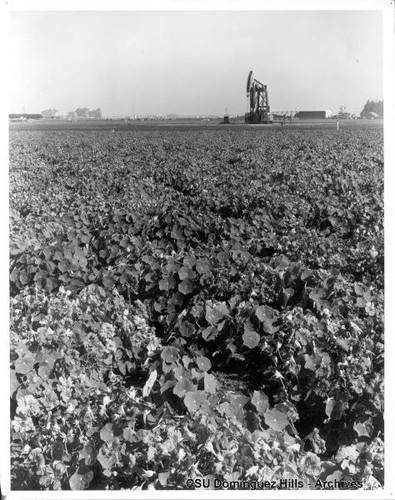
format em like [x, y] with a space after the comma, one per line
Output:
[73, 115]
[372, 108]
[84, 113]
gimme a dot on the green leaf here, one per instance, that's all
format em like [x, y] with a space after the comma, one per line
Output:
[38, 457]
[52, 284]
[285, 295]
[223, 257]
[260, 401]
[106, 462]
[107, 433]
[163, 477]
[361, 302]
[359, 289]
[350, 453]
[185, 272]
[151, 453]
[172, 266]
[186, 361]
[203, 363]
[169, 354]
[235, 407]
[197, 311]
[150, 383]
[266, 313]
[45, 370]
[332, 220]
[363, 428]
[23, 277]
[282, 262]
[225, 409]
[203, 266]
[177, 233]
[267, 316]
[108, 282]
[276, 420]
[210, 383]
[88, 453]
[306, 274]
[210, 333]
[57, 450]
[317, 297]
[14, 383]
[316, 442]
[252, 470]
[175, 299]
[167, 284]
[196, 401]
[343, 343]
[336, 475]
[189, 261]
[334, 409]
[186, 286]
[59, 467]
[81, 481]
[183, 386]
[325, 359]
[187, 329]
[215, 313]
[128, 434]
[25, 363]
[312, 362]
[250, 338]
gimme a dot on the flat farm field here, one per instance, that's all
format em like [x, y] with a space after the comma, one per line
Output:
[196, 308]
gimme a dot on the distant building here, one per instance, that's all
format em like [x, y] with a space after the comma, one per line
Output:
[18, 119]
[283, 115]
[22, 117]
[313, 115]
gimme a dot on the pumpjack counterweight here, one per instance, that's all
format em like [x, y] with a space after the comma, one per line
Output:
[258, 98]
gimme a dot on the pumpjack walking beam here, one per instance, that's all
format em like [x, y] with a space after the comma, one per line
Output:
[259, 109]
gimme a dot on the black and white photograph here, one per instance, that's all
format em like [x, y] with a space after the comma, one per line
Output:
[194, 233]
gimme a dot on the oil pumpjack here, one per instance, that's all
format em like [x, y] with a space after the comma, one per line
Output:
[258, 98]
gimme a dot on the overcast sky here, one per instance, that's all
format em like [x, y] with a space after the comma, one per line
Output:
[193, 62]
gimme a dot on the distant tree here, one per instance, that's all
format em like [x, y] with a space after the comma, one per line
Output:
[343, 113]
[376, 107]
[82, 112]
[343, 109]
[94, 113]
[49, 113]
